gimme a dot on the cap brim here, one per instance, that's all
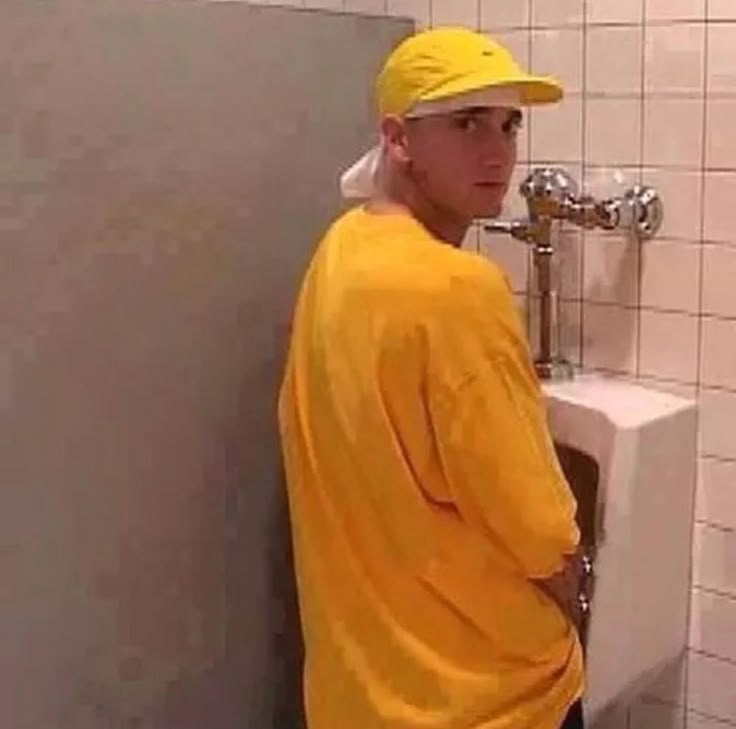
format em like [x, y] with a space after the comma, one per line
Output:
[533, 90]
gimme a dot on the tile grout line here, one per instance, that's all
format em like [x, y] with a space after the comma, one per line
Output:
[714, 592]
[715, 526]
[659, 94]
[662, 310]
[700, 328]
[648, 167]
[718, 459]
[718, 592]
[656, 701]
[654, 23]
[583, 176]
[719, 388]
[642, 136]
[713, 657]
[726, 723]
[703, 152]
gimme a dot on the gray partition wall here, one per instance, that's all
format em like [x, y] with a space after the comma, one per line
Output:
[165, 171]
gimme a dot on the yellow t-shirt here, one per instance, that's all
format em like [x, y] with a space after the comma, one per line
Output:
[424, 491]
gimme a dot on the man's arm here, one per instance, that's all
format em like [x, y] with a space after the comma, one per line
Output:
[566, 587]
[492, 436]
[503, 473]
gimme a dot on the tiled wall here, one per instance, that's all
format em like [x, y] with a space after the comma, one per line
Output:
[651, 96]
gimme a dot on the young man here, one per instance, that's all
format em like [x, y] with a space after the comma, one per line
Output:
[434, 533]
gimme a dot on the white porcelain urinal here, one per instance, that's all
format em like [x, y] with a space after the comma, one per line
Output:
[630, 456]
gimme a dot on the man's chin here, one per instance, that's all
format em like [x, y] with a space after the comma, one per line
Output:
[489, 210]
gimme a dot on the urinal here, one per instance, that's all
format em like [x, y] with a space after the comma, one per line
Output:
[629, 453]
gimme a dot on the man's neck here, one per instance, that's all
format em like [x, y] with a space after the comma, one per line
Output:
[439, 224]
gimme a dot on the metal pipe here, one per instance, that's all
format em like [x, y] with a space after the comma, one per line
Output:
[551, 194]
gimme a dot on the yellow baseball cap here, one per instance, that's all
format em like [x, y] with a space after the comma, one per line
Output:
[444, 62]
[442, 70]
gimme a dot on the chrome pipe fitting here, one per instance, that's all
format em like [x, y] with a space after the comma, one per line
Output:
[551, 194]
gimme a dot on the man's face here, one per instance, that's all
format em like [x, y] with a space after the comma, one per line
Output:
[462, 162]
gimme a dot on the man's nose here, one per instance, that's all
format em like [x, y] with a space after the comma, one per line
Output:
[499, 153]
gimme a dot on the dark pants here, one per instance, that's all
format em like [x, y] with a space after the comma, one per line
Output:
[574, 718]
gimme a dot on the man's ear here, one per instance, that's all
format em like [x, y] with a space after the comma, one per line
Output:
[393, 132]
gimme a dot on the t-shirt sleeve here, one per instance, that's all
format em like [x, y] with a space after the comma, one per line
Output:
[492, 436]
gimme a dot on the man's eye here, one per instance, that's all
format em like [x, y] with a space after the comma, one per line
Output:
[468, 123]
[513, 125]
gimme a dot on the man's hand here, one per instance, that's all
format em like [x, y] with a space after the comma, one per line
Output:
[566, 586]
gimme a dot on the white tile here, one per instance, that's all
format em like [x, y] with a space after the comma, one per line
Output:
[721, 66]
[720, 192]
[668, 345]
[558, 52]
[656, 715]
[675, 9]
[557, 132]
[514, 205]
[516, 42]
[472, 238]
[670, 275]
[613, 131]
[673, 132]
[569, 243]
[711, 687]
[557, 12]
[609, 337]
[714, 559]
[713, 624]
[716, 497]
[418, 10]
[720, 139]
[324, 4]
[508, 253]
[721, 10]
[615, 11]
[570, 332]
[678, 389]
[681, 196]
[610, 269]
[576, 172]
[504, 14]
[717, 422]
[718, 361]
[719, 277]
[674, 58]
[610, 181]
[455, 12]
[614, 63]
